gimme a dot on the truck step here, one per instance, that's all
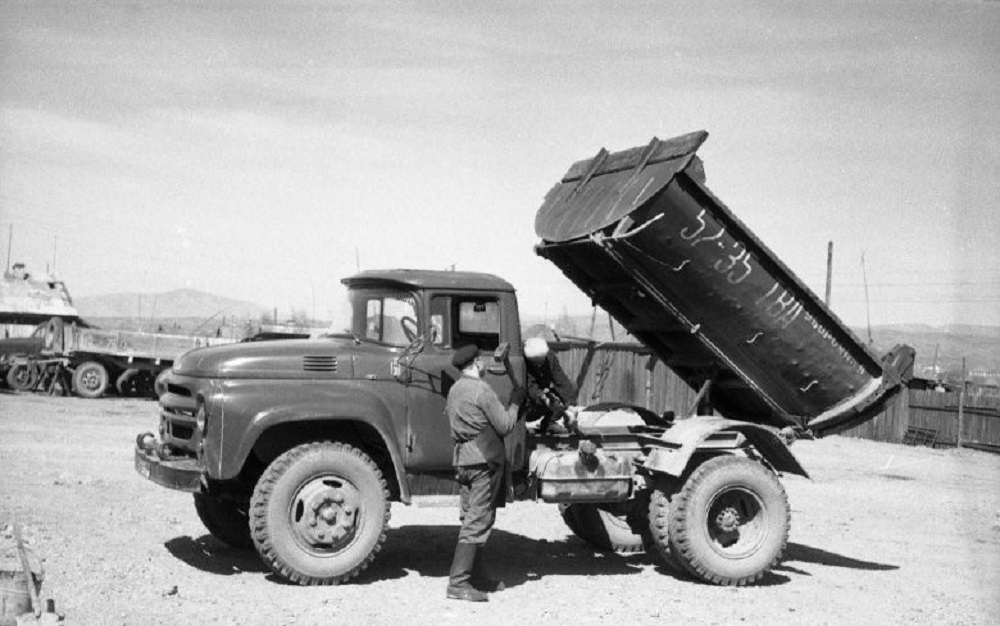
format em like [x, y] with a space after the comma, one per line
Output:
[435, 501]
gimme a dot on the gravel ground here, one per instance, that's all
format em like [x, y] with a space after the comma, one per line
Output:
[883, 534]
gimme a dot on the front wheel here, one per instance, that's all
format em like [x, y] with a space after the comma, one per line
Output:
[728, 524]
[319, 512]
[23, 376]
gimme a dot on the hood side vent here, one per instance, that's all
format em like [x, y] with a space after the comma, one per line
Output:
[319, 363]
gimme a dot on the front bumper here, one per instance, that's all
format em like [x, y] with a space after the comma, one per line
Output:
[180, 473]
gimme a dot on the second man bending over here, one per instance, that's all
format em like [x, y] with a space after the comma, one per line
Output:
[551, 394]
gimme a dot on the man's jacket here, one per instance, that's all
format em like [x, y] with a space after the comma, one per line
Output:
[478, 421]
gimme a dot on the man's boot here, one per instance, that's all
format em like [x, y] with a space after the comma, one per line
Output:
[480, 580]
[459, 580]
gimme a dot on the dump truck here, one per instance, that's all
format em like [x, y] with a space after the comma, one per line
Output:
[297, 448]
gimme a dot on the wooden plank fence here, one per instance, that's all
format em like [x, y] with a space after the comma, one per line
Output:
[919, 411]
[622, 372]
[631, 374]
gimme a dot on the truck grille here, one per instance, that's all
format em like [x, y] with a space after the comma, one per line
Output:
[177, 389]
[319, 363]
[179, 431]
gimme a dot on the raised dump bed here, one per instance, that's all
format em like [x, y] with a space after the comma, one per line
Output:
[642, 235]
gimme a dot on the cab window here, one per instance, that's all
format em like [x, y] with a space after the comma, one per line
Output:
[464, 320]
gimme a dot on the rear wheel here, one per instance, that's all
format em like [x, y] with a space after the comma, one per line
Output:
[227, 520]
[90, 380]
[728, 524]
[605, 527]
[319, 512]
[662, 501]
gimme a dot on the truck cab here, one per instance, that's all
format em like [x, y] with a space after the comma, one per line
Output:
[421, 318]
[382, 375]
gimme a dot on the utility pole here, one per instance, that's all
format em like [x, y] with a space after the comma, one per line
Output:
[10, 243]
[829, 270]
[961, 407]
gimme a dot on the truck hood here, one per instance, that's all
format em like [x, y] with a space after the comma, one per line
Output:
[293, 358]
[26, 346]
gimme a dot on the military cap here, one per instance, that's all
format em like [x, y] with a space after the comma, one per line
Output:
[464, 356]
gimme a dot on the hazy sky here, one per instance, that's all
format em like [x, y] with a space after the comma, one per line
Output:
[263, 153]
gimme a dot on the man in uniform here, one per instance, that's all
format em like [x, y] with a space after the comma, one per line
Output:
[551, 394]
[478, 422]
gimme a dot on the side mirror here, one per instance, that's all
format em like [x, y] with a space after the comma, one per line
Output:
[502, 352]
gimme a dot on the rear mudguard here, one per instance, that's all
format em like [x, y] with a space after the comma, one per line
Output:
[671, 452]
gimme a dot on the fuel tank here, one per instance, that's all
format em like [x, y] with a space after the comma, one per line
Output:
[640, 233]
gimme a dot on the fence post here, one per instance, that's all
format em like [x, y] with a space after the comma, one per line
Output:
[961, 407]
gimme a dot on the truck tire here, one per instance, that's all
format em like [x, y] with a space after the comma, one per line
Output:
[226, 520]
[90, 380]
[127, 383]
[728, 524]
[319, 512]
[22, 376]
[602, 528]
[661, 502]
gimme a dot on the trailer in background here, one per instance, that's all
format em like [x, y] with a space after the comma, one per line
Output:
[92, 361]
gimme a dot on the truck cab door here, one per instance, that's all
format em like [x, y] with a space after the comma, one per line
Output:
[429, 446]
[454, 320]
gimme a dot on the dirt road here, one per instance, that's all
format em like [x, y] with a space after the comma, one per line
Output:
[883, 534]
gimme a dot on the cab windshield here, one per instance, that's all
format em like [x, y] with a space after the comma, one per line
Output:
[380, 315]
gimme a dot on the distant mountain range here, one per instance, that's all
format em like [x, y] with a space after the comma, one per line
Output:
[180, 303]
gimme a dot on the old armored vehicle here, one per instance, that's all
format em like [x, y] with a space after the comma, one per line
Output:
[297, 448]
[28, 303]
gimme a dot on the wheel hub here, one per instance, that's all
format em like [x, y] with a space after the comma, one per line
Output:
[89, 380]
[325, 514]
[728, 520]
[736, 522]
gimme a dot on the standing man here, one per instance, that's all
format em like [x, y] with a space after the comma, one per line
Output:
[551, 394]
[478, 424]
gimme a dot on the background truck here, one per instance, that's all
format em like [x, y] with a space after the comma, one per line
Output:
[297, 448]
[90, 361]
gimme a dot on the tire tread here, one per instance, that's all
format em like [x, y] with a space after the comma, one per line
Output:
[258, 513]
[679, 532]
